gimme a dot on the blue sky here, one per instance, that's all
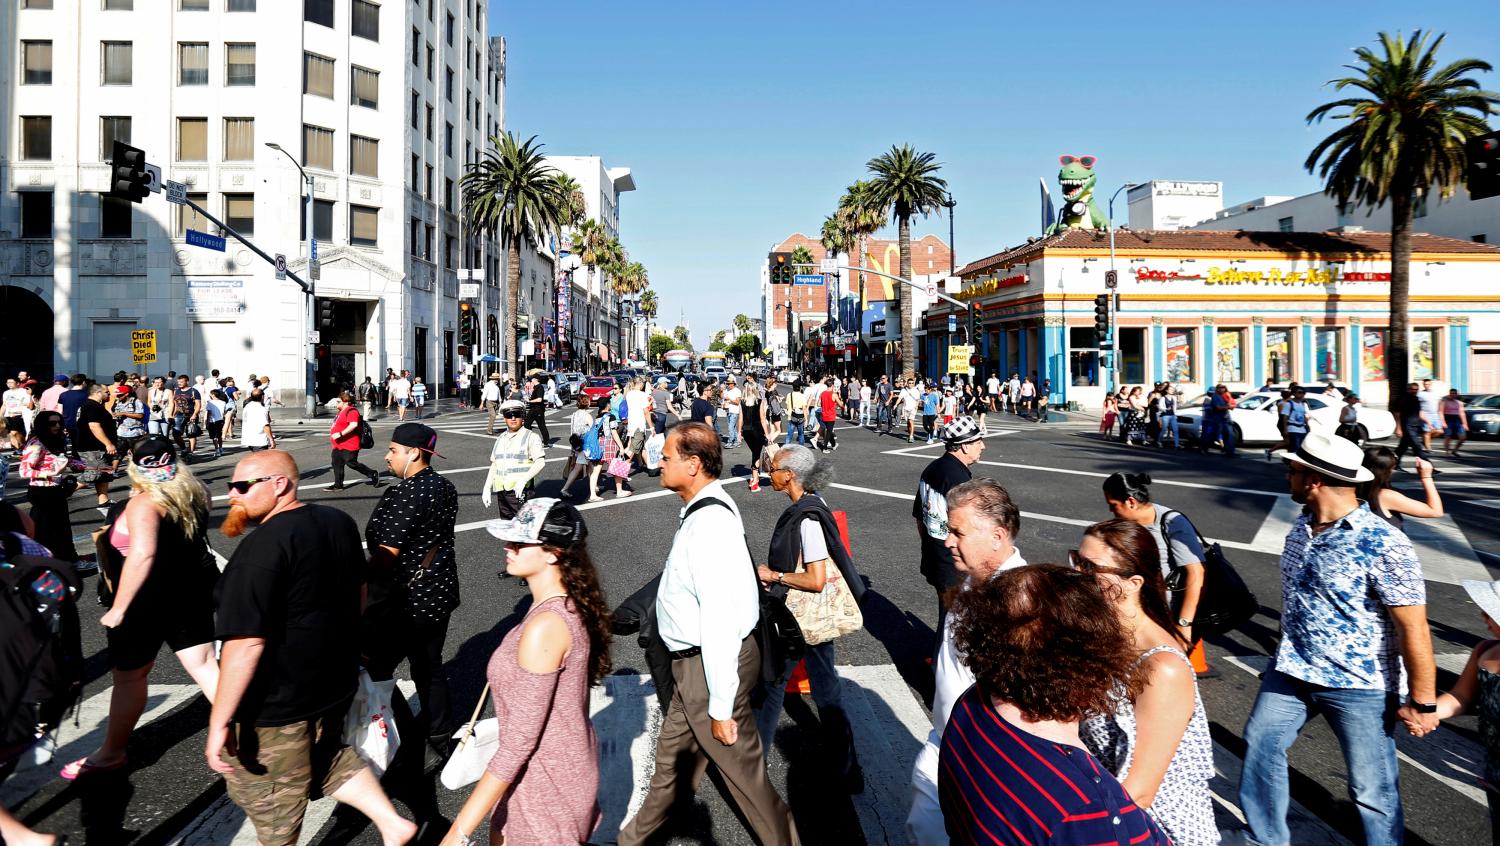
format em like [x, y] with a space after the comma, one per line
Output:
[744, 122]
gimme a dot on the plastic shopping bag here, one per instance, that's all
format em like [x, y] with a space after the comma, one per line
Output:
[370, 727]
[654, 445]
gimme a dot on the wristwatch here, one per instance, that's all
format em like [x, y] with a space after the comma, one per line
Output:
[1183, 621]
[1422, 707]
[781, 579]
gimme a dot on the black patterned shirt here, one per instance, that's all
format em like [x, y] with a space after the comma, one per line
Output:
[414, 517]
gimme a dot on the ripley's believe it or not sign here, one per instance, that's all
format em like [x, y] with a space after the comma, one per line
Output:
[1272, 277]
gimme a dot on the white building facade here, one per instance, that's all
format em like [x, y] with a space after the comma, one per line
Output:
[588, 311]
[382, 104]
[1173, 204]
[1457, 217]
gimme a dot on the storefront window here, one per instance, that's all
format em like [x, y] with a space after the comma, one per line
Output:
[1278, 355]
[1132, 355]
[1372, 355]
[1326, 343]
[1083, 357]
[1179, 355]
[1229, 355]
[1424, 357]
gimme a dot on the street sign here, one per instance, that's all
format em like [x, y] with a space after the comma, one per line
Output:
[931, 290]
[315, 270]
[143, 346]
[828, 265]
[314, 253]
[1111, 279]
[280, 267]
[153, 174]
[176, 192]
[314, 337]
[952, 323]
[958, 359]
[205, 240]
[808, 279]
[468, 290]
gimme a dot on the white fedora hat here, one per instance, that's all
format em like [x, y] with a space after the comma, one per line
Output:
[1486, 595]
[1331, 456]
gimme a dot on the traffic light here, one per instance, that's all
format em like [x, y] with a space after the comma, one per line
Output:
[975, 323]
[129, 179]
[467, 324]
[781, 268]
[1483, 176]
[325, 313]
[1101, 317]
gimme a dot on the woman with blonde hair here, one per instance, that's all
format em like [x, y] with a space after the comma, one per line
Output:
[161, 575]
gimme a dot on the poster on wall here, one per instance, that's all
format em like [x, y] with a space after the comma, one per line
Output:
[1278, 355]
[215, 297]
[1327, 359]
[1372, 355]
[1228, 360]
[1424, 354]
[1179, 355]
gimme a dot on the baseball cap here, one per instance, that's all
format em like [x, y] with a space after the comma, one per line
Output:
[416, 435]
[155, 457]
[545, 520]
[123, 390]
[964, 429]
[60, 377]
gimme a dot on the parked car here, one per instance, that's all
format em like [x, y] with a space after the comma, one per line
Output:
[598, 387]
[1254, 418]
[574, 381]
[1483, 411]
[789, 376]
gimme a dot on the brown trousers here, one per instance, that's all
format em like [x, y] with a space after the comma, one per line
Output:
[686, 743]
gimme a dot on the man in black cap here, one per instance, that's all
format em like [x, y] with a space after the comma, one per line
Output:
[413, 586]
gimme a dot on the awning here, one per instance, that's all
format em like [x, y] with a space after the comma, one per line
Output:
[602, 351]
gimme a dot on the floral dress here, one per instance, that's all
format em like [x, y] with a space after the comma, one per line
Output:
[1182, 806]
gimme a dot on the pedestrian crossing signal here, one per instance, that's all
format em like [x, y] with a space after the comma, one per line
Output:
[1483, 175]
[781, 268]
[1101, 317]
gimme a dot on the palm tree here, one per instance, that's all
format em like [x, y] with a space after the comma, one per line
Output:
[1405, 136]
[628, 279]
[680, 335]
[862, 215]
[904, 182]
[574, 204]
[649, 305]
[592, 245]
[741, 324]
[512, 190]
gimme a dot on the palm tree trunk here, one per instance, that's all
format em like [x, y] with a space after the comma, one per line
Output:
[1398, 340]
[908, 330]
[513, 305]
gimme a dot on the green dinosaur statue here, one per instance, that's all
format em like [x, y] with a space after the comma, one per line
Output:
[1079, 210]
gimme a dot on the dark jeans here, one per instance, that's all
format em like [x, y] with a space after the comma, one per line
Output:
[536, 413]
[1411, 439]
[830, 439]
[54, 528]
[827, 693]
[349, 458]
[419, 642]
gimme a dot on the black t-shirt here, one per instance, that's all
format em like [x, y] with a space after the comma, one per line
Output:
[539, 392]
[184, 400]
[930, 508]
[703, 411]
[295, 581]
[71, 400]
[93, 412]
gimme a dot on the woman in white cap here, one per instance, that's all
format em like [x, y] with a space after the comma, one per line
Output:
[543, 780]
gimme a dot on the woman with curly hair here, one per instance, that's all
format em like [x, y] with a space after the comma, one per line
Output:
[1156, 743]
[543, 779]
[1047, 650]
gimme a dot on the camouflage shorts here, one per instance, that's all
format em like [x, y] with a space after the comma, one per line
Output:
[279, 769]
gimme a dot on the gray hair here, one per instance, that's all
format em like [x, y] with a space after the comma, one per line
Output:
[990, 499]
[811, 470]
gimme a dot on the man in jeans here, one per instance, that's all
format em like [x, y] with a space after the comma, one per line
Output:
[1353, 608]
[731, 403]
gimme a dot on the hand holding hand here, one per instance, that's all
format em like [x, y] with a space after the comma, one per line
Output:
[1417, 723]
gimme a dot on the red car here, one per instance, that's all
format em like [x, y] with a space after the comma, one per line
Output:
[597, 388]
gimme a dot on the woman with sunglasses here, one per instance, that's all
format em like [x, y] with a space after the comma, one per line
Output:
[1157, 742]
[164, 578]
[543, 780]
[45, 465]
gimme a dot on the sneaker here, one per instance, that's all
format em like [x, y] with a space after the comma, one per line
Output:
[86, 565]
[754, 486]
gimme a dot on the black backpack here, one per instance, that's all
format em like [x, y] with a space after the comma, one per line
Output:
[41, 652]
[366, 436]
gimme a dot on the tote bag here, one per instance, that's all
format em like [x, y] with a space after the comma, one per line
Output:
[827, 614]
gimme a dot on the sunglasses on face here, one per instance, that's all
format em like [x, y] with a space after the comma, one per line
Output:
[509, 415]
[1089, 566]
[243, 486]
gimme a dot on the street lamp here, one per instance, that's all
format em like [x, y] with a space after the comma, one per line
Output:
[1114, 329]
[307, 312]
[949, 206]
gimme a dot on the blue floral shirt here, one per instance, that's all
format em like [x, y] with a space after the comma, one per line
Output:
[1335, 588]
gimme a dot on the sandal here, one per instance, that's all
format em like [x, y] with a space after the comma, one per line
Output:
[81, 768]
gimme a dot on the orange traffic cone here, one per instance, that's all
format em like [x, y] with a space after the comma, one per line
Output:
[1199, 659]
[798, 682]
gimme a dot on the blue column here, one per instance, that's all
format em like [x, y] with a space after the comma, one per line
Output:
[1461, 358]
[1057, 368]
[1023, 361]
[1356, 360]
[1205, 356]
[1309, 355]
[1158, 352]
[1258, 351]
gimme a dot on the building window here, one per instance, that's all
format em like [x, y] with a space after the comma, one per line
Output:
[448, 251]
[36, 4]
[36, 214]
[1327, 361]
[239, 139]
[1284, 224]
[192, 5]
[364, 156]
[448, 193]
[317, 75]
[239, 213]
[115, 60]
[448, 140]
[1179, 355]
[1372, 355]
[429, 63]
[1424, 356]
[449, 29]
[318, 12]
[427, 184]
[431, 120]
[317, 147]
[1479, 239]
[192, 63]
[1229, 355]
[429, 11]
[112, 129]
[239, 6]
[364, 226]
[322, 221]
[1279, 355]
[429, 237]
[192, 139]
[416, 171]
[416, 47]
[119, 5]
[239, 64]
[1083, 356]
[365, 20]
[36, 62]
[189, 218]
[416, 110]
[415, 245]
[36, 138]
[448, 84]
[1132, 355]
[364, 88]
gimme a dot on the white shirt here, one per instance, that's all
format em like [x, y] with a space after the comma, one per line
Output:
[635, 411]
[400, 389]
[864, 394]
[707, 596]
[732, 400]
[992, 385]
[254, 418]
[491, 391]
[910, 399]
[16, 401]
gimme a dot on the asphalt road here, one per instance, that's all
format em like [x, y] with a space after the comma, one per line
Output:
[1053, 471]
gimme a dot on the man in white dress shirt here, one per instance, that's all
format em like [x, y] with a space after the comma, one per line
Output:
[707, 606]
[982, 527]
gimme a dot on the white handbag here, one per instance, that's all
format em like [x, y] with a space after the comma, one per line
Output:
[478, 741]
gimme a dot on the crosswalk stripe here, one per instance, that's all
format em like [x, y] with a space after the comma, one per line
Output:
[1305, 827]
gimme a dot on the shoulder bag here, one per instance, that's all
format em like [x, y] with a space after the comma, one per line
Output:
[827, 614]
[1225, 602]
[478, 741]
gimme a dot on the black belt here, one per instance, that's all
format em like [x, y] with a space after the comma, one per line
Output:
[698, 650]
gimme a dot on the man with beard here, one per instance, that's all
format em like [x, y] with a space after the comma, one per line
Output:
[414, 581]
[288, 614]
